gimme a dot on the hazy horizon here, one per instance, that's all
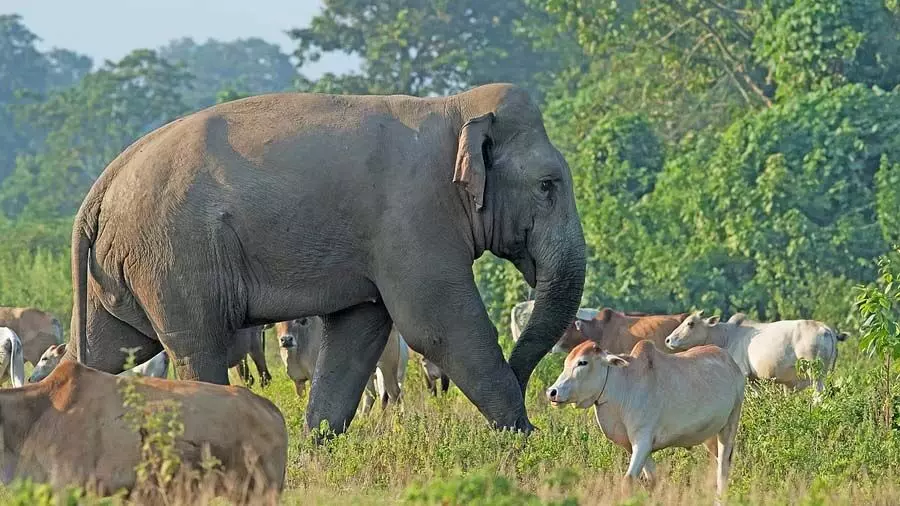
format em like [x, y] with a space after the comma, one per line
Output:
[106, 29]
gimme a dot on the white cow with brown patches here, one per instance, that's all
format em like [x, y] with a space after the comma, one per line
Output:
[764, 350]
[650, 400]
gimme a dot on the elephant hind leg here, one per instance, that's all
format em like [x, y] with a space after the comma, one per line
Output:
[107, 335]
[354, 340]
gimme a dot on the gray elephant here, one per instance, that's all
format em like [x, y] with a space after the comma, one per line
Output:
[286, 205]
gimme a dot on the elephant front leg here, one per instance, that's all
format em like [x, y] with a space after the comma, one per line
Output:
[442, 316]
[354, 339]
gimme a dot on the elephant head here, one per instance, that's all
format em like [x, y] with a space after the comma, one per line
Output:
[522, 208]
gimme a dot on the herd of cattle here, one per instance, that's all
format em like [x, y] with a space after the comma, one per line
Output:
[655, 381]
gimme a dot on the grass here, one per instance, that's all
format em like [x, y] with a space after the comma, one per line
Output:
[441, 451]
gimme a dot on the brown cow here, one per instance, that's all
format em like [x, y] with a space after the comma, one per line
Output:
[618, 332]
[36, 329]
[71, 428]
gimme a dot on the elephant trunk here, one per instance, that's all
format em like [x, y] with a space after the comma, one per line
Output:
[558, 288]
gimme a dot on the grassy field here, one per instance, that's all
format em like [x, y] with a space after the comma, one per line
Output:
[440, 450]
[435, 449]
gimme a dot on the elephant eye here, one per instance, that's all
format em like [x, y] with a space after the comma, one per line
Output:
[546, 185]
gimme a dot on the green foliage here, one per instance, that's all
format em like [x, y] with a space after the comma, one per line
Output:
[879, 306]
[87, 126]
[251, 65]
[26, 70]
[826, 43]
[431, 47]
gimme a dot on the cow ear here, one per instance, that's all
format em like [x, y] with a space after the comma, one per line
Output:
[604, 315]
[474, 156]
[580, 325]
[712, 320]
[616, 360]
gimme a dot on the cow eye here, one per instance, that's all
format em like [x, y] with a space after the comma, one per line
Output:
[581, 363]
[690, 324]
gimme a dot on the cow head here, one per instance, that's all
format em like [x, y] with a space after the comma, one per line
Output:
[584, 376]
[48, 361]
[693, 331]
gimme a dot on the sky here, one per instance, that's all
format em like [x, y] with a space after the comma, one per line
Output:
[110, 29]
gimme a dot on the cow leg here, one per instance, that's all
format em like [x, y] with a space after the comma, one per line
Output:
[445, 382]
[369, 395]
[354, 339]
[300, 387]
[726, 449]
[649, 472]
[640, 452]
[429, 380]
[258, 355]
[244, 372]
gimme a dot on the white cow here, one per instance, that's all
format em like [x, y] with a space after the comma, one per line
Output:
[764, 350]
[650, 400]
[156, 367]
[301, 339]
[12, 357]
[521, 312]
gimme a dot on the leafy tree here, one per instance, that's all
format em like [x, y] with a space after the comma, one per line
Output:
[423, 47]
[879, 305]
[251, 65]
[88, 125]
[25, 70]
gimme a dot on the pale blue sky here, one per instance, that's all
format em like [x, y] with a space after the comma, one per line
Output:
[109, 29]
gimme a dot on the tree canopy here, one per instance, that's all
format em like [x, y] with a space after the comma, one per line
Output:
[730, 155]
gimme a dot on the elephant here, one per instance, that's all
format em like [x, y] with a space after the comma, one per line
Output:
[284, 205]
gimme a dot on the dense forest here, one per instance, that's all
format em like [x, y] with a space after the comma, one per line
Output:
[729, 155]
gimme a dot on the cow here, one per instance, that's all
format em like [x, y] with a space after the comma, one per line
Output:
[765, 350]
[301, 340]
[100, 448]
[650, 400]
[618, 332]
[37, 330]
[521, 312]
[11, 358]
[156, 367]
[249, 340]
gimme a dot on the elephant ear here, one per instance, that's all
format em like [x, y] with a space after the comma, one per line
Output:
[474, 157]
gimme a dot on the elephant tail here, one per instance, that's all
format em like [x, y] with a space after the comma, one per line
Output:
[82, 239]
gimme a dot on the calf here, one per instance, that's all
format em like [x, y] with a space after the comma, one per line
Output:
[521, 312]
[156, 367]
[71, 429]
[650, 400]
[618, 332]
[36, 329]
[11, 357]
[764, 350]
